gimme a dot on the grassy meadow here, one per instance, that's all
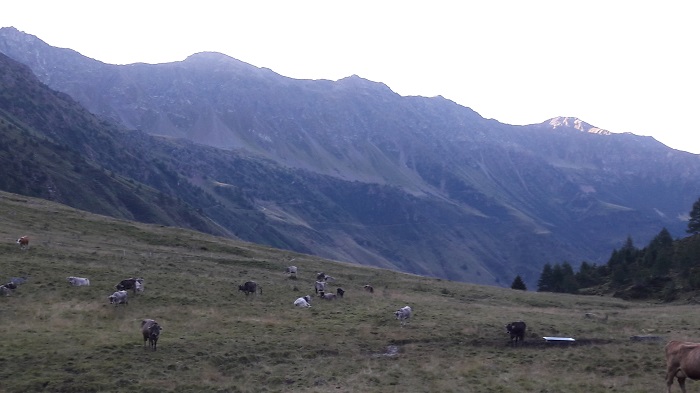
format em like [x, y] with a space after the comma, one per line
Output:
[57, 338]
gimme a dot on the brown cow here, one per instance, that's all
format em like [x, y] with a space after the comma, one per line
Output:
[23, 242]
[682, 361]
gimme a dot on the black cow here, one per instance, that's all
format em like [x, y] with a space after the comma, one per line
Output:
[517, 331]
[129, 283]
[340, 292]
[250, 287]
[151, 331]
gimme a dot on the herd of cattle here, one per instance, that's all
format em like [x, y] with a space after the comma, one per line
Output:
[151, 329]
[682, 358]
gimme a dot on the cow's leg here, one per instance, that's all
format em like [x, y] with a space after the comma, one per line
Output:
[672, 373]
[681, 382]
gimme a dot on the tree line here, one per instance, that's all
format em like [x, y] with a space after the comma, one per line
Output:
[663, 269]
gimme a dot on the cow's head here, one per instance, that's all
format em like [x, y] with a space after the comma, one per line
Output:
[154, 330]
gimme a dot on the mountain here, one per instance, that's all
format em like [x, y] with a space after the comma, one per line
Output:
[350, 170]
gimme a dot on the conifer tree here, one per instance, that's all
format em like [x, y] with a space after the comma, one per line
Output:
[544, 284]
[518, 283]
[694, 222]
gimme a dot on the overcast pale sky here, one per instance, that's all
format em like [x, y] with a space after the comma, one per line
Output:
[625, 66]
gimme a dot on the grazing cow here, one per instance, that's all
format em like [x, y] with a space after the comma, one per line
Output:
[151, 331]
[320, 286]
[327, 296]
[403, 314]
[682, 361]
[78, 281]
[517, 331]
[303, 301]
[6, 289]
[129, 283]
[119, 297]
[292, 271]
[250, 287]
[10, 285]
[321, 276]
[23, 242]
[369, 288]
[340, 292]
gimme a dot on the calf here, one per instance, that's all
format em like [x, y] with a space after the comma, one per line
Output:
[23, 242]
[151, 331]
[303, 301]
[517, 331]
[403, 314]
[250, 287]
[119, 297]
[78, 281]
[340, 292]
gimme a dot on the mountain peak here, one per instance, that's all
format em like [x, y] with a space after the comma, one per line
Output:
[574, 123]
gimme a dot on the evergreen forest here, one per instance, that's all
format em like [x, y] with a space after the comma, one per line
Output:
[666, 269]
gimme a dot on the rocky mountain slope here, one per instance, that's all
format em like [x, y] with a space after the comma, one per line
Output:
[350, 170]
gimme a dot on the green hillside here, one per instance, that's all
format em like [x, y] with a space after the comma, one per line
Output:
[58, 338]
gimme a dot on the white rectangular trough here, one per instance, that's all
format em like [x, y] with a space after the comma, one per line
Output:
[558, 339]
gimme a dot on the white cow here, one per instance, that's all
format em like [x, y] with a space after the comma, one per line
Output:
[292, 271]
[139, 285]
[118, 297]
[327, 296]
[303, 301]
[403, 314]
[78, 281]
[320, 286]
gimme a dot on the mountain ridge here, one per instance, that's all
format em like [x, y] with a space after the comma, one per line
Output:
[418, 184]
